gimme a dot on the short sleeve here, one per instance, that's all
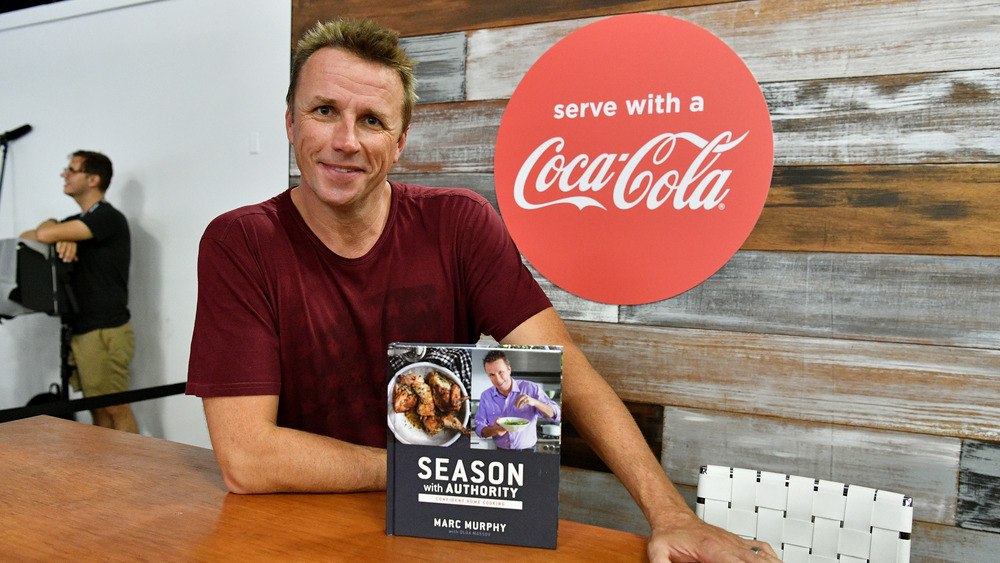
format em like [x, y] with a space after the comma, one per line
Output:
[234, 347]
[502, 292]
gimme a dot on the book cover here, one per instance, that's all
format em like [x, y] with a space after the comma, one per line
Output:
[473, 443]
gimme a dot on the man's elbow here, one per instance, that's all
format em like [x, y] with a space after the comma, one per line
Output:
[235, 485]
[241, 478]
[42, 235]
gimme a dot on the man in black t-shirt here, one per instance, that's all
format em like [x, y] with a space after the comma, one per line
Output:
[97, 241]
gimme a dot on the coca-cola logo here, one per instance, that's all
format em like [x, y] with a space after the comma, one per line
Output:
[633, 159]
[594, 174]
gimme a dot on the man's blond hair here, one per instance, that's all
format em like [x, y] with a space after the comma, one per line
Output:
[362, 38]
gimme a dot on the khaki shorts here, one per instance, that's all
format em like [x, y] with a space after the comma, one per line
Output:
[100, 359]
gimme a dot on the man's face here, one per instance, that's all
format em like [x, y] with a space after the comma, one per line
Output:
[346, 127]
[499, 373]
[76, 182]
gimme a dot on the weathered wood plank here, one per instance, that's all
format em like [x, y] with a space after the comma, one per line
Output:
[451, 138]
[936, 543]
[979, 486]
[935, 210]
[927, 119]
[937, 390]
[571, 307]
[949, 210]
[599, 499]
[782, 40]
[945, 300]
[577, 453]
[900, 119]
[440, 68]
[919, 466]
[421, 18]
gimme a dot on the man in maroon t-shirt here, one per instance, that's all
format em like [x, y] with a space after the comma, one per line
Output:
[348, 112]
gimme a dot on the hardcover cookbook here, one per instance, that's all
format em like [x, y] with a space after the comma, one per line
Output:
[473, 442]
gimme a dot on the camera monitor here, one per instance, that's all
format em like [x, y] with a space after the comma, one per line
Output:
[40, 279]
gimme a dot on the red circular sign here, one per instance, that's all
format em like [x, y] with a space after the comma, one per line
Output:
[633, 159]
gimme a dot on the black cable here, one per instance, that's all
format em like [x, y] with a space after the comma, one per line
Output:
[61, 408]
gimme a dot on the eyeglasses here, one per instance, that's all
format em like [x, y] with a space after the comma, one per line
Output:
[70, 171]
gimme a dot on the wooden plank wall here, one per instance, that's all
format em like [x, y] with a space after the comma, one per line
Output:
[856, 335]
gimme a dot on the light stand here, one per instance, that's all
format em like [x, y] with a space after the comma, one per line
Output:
[3, 165]
[5, 138]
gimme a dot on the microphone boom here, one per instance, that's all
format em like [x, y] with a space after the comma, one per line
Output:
[15, 134]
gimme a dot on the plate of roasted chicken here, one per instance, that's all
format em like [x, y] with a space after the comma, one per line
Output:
[428, 405]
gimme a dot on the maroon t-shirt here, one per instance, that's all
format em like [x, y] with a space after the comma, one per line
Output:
[280, 314]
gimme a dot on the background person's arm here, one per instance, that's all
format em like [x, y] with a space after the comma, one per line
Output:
[63, 235]
[52, 231]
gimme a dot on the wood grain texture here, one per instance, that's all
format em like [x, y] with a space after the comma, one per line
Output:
[599, 499]
[936, 390]
[784, 40]
[576, 453]
[595, 496]
[451, 138]
[922, 467]
[571, 307]
[943, 210]
[438, 16]
[440, 67]
[148, 499]
[938, 118]
[936, 543]
[979, 486]
[952, 301]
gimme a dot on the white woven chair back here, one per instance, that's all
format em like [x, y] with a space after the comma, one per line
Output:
[807, 520]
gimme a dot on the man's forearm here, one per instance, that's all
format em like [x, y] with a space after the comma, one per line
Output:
[599, 415]
[33, 233]
[299, 462]
[546, 409]
[257, 456]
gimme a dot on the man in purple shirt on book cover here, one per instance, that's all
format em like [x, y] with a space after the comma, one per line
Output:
[511, 398]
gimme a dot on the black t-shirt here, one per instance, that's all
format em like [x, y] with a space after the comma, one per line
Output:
[100, 276]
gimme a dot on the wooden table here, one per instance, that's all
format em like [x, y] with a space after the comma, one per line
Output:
[70, 491]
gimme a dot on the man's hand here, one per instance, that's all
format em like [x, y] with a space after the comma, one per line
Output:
[524, 400]
[66, 249]
[695, 540]
[497, 430]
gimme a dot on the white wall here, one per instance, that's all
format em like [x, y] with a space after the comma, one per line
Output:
[174, 92]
